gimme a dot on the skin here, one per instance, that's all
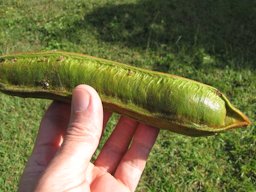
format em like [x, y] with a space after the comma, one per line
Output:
[67, 139]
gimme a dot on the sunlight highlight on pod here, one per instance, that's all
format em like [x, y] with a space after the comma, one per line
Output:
[162, 100]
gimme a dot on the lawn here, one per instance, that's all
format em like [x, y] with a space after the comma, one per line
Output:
[213, 42]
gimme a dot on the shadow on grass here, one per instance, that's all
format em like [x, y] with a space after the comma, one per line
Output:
[225, 29]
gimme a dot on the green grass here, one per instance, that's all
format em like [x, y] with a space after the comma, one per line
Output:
[210, 41]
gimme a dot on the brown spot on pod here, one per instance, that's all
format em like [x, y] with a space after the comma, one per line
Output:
[43, 59]
[14, 60]
[60, 58]
[130, 72]
[44, 84]
[218, 93]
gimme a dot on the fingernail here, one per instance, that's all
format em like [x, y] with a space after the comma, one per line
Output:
[80, 100]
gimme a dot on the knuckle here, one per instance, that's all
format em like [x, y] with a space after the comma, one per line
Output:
[83, 132]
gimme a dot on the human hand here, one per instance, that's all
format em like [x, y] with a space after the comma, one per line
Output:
[67, 140]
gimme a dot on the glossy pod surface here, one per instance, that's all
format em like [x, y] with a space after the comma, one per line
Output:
[162, 100]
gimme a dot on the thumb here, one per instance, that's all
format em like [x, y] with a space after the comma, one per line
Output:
[85, 127]
[79, 144]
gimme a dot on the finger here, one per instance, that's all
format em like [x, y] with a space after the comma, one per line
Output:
[50, 132]
[133, 163]
[83, 134]
[107, 115]
[116, 145]
[52, 128]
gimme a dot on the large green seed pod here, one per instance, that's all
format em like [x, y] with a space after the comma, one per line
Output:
[161, 100]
